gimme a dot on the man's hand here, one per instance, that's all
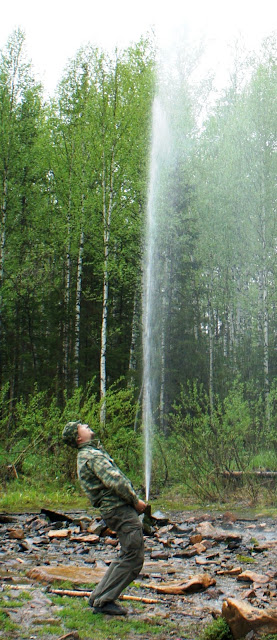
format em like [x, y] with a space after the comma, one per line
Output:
[140, 506]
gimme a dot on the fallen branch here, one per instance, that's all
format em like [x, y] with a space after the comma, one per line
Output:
[83, 594]
[255, 474]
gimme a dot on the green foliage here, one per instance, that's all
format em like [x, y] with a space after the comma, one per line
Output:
[46, 468]
[118, 434]
[217, 630]
[201, 447]
[194, 455]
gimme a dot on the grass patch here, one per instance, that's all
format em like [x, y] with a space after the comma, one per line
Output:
[245, 559]
[23, 495]
[49, 629]
[15, 603]
[25, 596]
[76, 615]
[31, 494]
[10, 600]
[6, 624]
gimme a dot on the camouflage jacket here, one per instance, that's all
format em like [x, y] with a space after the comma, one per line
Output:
[106, 486]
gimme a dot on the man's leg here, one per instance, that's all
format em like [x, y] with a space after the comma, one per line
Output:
[127, 566]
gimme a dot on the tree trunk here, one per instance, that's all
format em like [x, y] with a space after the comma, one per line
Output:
[265, 331]
[67, 296]
[2, 256]
[162, 386]
[134, 339]
[211, 355]
[78, 309]
[3, 229]
[107, 215]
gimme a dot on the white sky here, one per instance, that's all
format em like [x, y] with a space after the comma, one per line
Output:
[56, 29]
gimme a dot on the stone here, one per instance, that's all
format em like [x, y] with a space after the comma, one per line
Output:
[58, 533]
[55, 516]
[228, 516]
[198, 582]
[251, 576]
[77, 575]
[242, 618]
[83, 522]
[199, 547]
[163, 531]
[16, 534]
[6, 518]
[207, 530]
[185, 553]
[235, 571]
[165, 541]
[160, 518]
[182, 529]
[97, 527]
[196, 538]
[91, 538]
[205, 561]
[159, 555]
[112, 541]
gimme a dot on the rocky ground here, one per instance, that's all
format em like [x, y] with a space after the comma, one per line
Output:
[194, 564]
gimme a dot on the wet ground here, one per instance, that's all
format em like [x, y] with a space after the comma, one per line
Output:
[179, 546]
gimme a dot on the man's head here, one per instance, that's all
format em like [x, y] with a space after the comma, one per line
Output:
[75, 434]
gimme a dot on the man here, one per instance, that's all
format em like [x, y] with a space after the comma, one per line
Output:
[109, 490]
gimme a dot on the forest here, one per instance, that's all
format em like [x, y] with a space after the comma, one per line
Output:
[74, 186]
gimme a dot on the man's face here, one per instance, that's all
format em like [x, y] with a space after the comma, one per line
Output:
[84, 433]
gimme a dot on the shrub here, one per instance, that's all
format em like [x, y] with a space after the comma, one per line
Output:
[217, 630]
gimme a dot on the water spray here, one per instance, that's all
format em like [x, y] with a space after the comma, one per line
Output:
[152, 286]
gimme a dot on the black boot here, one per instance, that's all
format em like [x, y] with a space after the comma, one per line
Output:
[111, 609]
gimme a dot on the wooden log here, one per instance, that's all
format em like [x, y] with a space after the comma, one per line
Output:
[83, 594]
[252, 474]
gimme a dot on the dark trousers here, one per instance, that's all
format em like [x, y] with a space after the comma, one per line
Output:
[126, 567]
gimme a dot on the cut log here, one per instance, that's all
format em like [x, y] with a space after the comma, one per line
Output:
[255, 474]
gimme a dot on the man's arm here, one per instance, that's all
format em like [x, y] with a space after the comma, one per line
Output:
[113, 479]
[140, 506]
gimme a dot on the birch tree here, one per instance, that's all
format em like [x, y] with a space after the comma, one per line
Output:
[23, 177]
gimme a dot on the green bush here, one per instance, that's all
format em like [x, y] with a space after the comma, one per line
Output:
[199, 448]
[33, 447]
[217, 630]
[203, 445]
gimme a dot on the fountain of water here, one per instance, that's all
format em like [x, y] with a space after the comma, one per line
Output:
[153, 283]
[169, 144]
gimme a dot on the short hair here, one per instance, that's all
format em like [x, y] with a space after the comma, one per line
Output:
[70, 434]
